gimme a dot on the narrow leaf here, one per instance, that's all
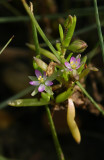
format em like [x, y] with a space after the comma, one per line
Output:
[32, 78]
[69, 56]
[48, 90]
[45, 52]
[54, 76]
[61, 32]
[6, 44]
[84, 73]
[64, 95]
[34, 21]
[45, 96]
[69, 34]
[35, 91]
[27, 102]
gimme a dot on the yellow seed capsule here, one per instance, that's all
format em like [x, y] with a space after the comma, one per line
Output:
[71, 121]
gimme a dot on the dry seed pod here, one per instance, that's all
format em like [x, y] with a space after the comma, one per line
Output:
[71, 121]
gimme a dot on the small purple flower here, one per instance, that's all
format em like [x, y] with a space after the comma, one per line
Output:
[41, 81]
[74, 63]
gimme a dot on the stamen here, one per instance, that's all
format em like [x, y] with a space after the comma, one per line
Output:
[71, 62]
[41, 79]
[73, 66]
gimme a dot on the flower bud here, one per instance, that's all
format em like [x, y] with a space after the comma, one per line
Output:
[41, 64]
[78, 46]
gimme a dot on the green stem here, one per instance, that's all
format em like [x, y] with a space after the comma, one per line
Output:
[54, 135]
[35, 37]
[44, 52]
[6, 44]
[99, 27]
[90, 98]
[33, 19]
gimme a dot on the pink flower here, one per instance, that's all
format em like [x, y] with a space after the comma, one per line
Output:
[74, 63]
[40, 81]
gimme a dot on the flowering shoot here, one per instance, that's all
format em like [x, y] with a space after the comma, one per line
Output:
[74, 63]
[41, 82]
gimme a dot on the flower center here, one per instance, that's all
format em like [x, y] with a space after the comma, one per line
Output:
[73, 64]
[41, 79]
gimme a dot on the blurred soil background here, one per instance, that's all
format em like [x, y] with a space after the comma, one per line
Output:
[24, 132]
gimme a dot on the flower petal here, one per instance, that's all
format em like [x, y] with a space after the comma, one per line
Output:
[41, 88]
[78, 61]
[72, 59]
[44, 75]
[67, 64]
[34, 83]
[38, 73]
[48, 83]
[78, 66]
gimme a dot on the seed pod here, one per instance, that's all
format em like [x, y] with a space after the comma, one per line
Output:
[71, 121]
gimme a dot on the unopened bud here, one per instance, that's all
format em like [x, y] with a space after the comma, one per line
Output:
[68, 22]
[41, 64]
[78, 46]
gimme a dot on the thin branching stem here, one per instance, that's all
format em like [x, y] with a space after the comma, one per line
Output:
[6, 44]
[33, 19]
[35, 38]
[54, 135]
[35, 35]
[90, 98]
[99, 27]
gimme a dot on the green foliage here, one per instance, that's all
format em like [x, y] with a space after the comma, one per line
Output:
[45, 96]
[44, 52]
[70, 31]
[6, 44]
[63, 96]
[28, 102]
[61, 33]
[41, 64]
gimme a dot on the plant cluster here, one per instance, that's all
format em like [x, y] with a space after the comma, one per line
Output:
[54, 81]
